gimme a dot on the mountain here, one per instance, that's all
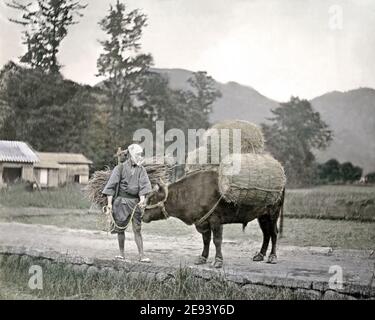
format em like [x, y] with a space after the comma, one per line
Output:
[351, 115]
[238, 101]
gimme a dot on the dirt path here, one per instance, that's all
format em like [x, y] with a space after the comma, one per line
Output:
[302, 267]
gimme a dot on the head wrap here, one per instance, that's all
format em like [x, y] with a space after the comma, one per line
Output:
[135, 151]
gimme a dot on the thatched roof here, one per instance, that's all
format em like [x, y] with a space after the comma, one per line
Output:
[63, 158]
[17, 151]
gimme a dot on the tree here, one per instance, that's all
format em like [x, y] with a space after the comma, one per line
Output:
[123, 66]
[334, 172]
[47, 111]
[46, 23]
[295, 131]
[203, 96]
[160, 102]
[349, 172]
[329, 171]
[370, 177]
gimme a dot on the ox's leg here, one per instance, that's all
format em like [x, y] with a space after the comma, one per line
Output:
[206, 236]
[217, 231]
[273, 229]
[264, 223]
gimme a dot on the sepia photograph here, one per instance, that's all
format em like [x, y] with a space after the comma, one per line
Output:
[186, 155]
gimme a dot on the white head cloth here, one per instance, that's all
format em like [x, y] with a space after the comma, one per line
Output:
[135, 151]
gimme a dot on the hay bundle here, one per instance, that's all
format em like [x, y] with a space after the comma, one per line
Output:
[252, 140]
[155, 168]
[160, 168]
[259, 179]
[194, 162]
[95, 186]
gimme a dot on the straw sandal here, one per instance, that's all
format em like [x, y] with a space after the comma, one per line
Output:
[121, 258]
[144, 260]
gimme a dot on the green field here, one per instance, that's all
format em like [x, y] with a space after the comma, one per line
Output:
[332, 202]
[324, 202]
[70, 196]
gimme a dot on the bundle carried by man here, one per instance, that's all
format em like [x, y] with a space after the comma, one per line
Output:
[158, 169]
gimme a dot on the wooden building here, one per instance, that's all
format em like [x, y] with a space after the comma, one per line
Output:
[19, 162]
[57, 168]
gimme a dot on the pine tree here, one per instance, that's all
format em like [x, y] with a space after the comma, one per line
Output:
[46, 23]
[202, 97]
[123, 66]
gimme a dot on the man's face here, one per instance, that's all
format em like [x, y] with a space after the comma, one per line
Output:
[138, 158]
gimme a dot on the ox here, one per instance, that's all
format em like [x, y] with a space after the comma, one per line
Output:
[190, 198]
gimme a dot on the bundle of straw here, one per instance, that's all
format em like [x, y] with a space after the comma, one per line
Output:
[195, 161]
[155, 168]
[160, 169]
[224, 133]
[218, 143]
[255, 179]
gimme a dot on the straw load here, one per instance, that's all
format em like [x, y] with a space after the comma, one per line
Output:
[226, 132]
[198, 160]
[251, 179]
[155, 168]
[221, 140]
[160, 168]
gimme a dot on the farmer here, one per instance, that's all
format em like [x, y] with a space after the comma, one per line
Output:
[128, 205]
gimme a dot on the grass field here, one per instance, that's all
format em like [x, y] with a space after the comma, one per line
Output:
[69, 196]
[60, 281]
[332, 202]
[326, 202]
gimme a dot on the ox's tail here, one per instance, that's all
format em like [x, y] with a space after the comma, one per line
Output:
[281, 225]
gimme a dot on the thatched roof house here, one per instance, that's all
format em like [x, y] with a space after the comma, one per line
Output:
[18, 161]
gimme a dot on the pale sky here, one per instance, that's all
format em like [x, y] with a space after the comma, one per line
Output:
[278, 47]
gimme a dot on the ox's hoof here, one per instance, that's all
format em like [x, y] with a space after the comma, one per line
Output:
[272, 258]
[258, 257]
[200, 260]
[218, 263]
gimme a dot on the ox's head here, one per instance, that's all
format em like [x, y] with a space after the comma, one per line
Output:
[155, 200]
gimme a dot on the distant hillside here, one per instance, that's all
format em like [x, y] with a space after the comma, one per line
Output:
[351, 115]
[237, 102]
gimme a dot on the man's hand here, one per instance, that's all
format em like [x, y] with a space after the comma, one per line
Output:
[109, 200]
[142, 202]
